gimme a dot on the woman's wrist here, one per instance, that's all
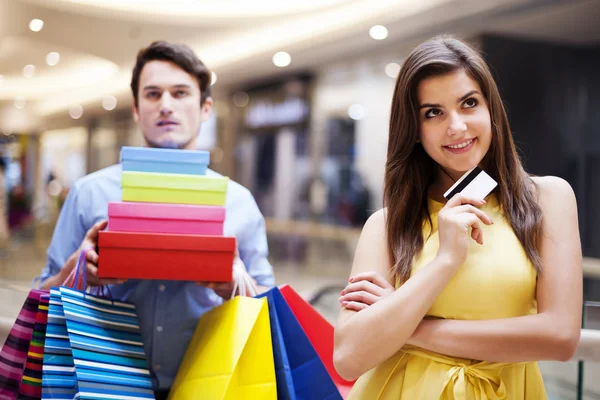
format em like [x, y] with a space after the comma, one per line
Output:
[446, 261]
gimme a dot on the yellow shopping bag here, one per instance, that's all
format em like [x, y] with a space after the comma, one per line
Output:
[230, 356]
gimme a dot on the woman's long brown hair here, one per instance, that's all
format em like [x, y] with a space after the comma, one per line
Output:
[409, 170]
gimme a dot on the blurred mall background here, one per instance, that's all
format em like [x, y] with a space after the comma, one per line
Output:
[302, 92]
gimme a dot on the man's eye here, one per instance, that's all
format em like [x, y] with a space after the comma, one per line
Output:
[152, 95]
[181, 93]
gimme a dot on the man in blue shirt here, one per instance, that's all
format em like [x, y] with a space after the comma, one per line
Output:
[171, 91]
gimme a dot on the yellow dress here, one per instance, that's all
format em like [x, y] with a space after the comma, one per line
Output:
[496, 281]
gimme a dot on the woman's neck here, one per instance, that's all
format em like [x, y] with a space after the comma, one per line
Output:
[442, 182]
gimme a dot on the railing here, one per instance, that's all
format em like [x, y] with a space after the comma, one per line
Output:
[589, 346]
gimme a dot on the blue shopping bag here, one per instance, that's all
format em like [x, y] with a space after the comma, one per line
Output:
[94, 346]
[58, 369]
[299, 370]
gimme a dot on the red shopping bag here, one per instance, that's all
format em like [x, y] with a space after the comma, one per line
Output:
[319, 332]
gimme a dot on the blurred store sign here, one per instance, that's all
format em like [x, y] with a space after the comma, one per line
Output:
[264, 113]
[277, 104]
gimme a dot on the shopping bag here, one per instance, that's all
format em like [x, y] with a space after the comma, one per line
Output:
[31, 383]
[13, 355]
[319, 331]
[106, 344]
[58, 368]
[299, 370]
[230, 355]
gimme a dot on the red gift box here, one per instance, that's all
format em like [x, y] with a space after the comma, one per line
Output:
[126, 255]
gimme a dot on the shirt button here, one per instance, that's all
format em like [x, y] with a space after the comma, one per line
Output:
[162, 288]
[159, 328]
[156, 367]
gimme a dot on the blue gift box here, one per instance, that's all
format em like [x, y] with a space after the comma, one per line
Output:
[167, 161]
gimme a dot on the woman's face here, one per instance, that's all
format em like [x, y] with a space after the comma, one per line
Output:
[454, 121]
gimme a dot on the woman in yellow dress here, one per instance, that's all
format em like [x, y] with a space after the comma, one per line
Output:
[459, 299]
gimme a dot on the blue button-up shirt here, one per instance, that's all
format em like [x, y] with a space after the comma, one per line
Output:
[168, 311]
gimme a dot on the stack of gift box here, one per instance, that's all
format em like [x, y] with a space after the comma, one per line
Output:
[169, 224]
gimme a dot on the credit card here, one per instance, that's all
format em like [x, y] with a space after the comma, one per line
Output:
[475, 183]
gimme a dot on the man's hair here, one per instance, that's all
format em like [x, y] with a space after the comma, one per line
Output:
[178, 54]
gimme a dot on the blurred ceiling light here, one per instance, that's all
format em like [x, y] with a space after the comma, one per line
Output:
[36, 25]
[378, 32]
[205, 10]
[52, 58]
[109, 103]
[75, 111]
[213, 78]
[282, 59]
[356, 112]
[29, 71]
[20, 102]
[241, 99]
[392, 70]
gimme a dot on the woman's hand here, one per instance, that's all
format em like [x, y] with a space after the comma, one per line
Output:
[458, 222]
[365, 289]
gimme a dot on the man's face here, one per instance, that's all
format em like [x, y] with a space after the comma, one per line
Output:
[168, 111]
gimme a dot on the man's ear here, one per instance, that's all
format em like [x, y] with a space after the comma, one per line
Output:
[206, 108]
[134, 111]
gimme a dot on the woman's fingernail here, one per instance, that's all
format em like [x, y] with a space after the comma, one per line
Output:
[344, 303]
[342, 293]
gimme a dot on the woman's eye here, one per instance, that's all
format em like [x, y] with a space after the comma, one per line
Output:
[470, 103]
[434, 112]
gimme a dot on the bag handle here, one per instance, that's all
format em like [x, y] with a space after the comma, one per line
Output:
[75, 280]
[242, 280]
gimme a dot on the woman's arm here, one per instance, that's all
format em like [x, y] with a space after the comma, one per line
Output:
[365, 339]
[553, 333]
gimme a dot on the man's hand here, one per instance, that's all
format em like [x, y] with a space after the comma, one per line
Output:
[90, 242]
[225, 289]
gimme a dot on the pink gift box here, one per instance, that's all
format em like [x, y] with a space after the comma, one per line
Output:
[180, 219]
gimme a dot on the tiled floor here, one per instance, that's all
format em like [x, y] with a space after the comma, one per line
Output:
[306, 266]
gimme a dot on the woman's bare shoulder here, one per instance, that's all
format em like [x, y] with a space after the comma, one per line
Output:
[554, 194]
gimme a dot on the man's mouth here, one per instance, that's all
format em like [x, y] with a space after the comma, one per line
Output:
[166, 123]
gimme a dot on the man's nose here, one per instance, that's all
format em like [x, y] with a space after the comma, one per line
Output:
[166, 104]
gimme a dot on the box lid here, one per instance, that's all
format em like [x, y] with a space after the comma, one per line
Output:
[166, 211]
[165, 241]
[174, 181]
[165, 155]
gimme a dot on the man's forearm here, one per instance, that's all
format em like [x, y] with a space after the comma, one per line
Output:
[59, 278]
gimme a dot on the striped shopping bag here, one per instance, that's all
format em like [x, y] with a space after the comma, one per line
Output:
[58, 370]
[107, 347]
[31, 383]
[13, 355]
